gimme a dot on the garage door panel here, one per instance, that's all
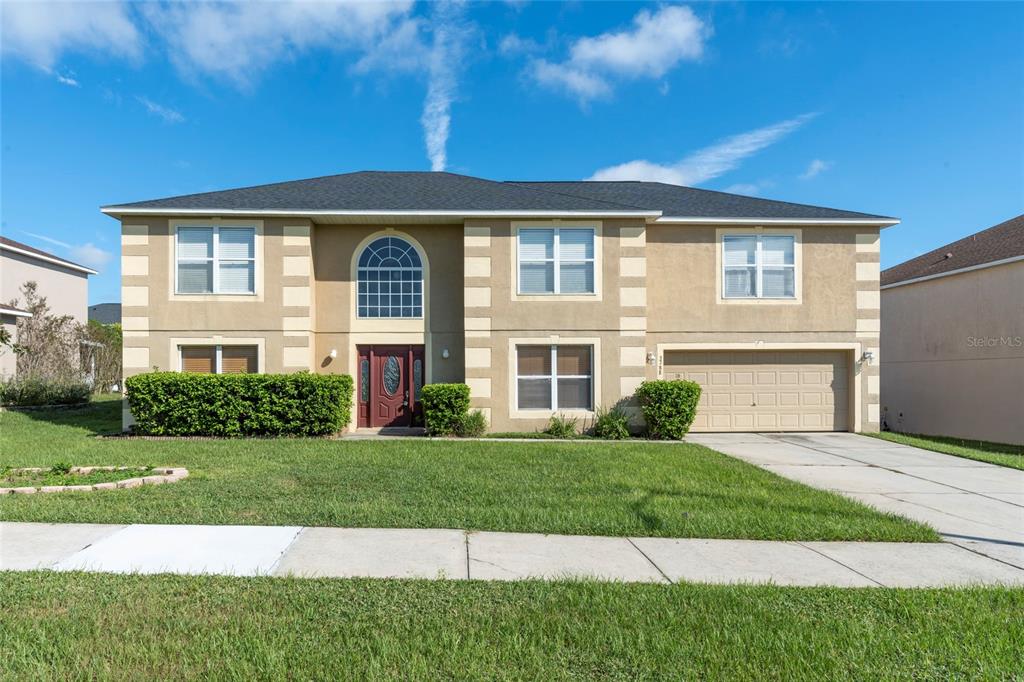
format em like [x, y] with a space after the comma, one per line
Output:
[792, 390]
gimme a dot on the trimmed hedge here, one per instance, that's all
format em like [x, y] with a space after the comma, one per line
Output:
[669, 407]
[445, 408]
[182, 404]
[38, 392]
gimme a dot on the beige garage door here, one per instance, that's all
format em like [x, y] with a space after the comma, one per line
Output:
[766, 390]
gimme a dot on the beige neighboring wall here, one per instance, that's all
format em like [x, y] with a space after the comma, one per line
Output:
[838, 268]
[953, 355]
[66, 290]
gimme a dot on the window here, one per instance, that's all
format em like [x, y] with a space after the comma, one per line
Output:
[390, 279]
[758, 266]
[219, 359]
[554, 377]
[216, 260]
[556, 260]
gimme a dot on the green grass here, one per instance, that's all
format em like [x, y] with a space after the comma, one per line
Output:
[15, 479]
[94, 626]
[591, 488]
[983, 451]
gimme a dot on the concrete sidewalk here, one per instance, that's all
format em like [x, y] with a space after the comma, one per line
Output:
[457, 554]
[975, 505]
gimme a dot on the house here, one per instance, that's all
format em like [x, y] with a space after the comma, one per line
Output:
[953, 339]
[64, 284]
[105, 313]
[544, 297]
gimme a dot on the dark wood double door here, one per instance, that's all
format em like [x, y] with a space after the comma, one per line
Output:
[389, 380]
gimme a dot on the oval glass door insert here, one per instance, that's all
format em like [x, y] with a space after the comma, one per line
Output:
[392, 375]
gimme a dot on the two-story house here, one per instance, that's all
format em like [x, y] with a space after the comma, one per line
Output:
[544, 297]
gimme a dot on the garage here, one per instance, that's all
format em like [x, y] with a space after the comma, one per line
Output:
[766, 390]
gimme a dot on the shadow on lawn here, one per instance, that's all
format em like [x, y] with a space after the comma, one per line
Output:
[99, 418]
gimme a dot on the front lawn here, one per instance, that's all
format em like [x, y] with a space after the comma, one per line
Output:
[983, 451]
[586, 488]
[93, 626]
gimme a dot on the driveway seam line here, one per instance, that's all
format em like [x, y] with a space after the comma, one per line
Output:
[465, 538]
[894, 471]
[273, 566]
[892, 496]
[650, 560]
[991, 558]
[837, 561]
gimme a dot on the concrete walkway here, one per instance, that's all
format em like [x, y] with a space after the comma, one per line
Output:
[457, 554]
[974, 505]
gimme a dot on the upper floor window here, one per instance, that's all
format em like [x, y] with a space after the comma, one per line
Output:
[556, 260]
[758, 266]
[216, 260]
[390, 276]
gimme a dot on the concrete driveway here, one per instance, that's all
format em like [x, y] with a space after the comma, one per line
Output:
[975, 505]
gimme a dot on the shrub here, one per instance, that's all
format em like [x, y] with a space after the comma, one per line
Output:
[180, 404]
[669, 407]
[611, 424]
[445, 406]
[560, 426]
[60, 468]
[472, 425]
[33, 392]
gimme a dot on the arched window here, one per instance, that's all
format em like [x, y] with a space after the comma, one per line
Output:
[390, 276]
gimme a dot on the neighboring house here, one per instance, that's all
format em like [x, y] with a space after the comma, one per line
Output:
[105, 313]
[9, 319]
[544, 298]
[64, 284]
[953, 339]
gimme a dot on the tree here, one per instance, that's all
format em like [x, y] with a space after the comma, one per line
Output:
[49, 343]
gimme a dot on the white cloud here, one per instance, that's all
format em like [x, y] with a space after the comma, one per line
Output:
[815, 168]
[68, 80]
[90, 255]
[445, 59]
[237, 41]
[751, 189]
[650, 48]
[166, 113]
[514, 44]
[87, 254]
[41, 32]
[707, 163]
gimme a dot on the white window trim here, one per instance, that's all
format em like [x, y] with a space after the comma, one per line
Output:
[172, 255]
[215, 260]
[759, 232]
[556, 225]
[422, 280]
[553, 378]
[218, 356]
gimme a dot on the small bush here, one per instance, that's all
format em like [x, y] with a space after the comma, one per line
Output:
[445, 407]
[180, 404]
[560, 426]
[62, 468]
[472, 425]
[611, 424]
[669, 407]
[36, 392]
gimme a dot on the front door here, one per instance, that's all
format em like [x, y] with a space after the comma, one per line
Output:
[390, 379]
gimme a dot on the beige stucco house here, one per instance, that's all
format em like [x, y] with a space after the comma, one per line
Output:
[953, 339]
[543, 297]
[64, 284]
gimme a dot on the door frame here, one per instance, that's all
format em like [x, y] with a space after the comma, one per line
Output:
[853, 372]
[365, 414]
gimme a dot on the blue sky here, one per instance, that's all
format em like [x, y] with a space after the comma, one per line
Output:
[913, 110]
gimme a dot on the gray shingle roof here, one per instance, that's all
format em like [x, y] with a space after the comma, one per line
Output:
[386, 191]
[1002, 241]
[430, 191]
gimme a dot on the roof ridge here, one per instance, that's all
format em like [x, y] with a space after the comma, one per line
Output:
[579, 196]
[708, 191]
